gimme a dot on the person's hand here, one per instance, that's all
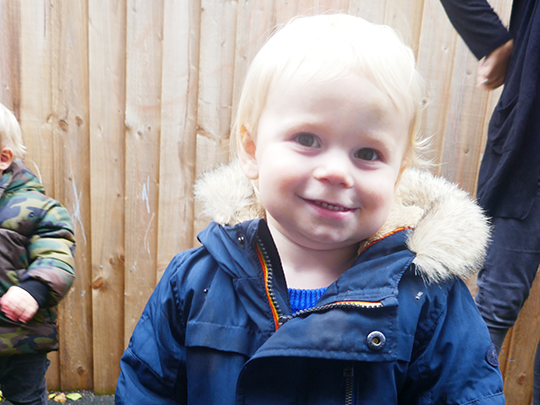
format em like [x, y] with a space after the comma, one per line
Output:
[491, 71]
[18, 304]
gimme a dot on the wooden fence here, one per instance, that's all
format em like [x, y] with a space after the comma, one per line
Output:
[123, 103]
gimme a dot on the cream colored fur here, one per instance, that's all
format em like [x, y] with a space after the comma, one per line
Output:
[449, 230]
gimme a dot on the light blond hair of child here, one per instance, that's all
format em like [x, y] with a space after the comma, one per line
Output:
[327, 47]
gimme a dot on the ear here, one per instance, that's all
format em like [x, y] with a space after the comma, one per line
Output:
[246, 154]
[6, 157]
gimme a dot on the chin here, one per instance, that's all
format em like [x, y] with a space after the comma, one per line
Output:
[330, 243]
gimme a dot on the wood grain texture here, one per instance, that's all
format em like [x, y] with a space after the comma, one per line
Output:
[35, 116]
[520, 348]
[406, 17]
[216, 74]
[286, 9]
[373, 11]
[70, 116]
[107, 67]
[256, 22]
[436, 53]
[180, 78]
[142, 137]
[464, 122]
[10, 23]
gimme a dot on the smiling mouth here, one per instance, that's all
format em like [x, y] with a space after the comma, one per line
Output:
[331, 207]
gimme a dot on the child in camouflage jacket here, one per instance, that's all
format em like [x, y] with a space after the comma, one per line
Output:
[36, 270]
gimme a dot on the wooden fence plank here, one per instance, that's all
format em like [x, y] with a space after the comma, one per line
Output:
[143, 116]
[107, 55]
[216, 74]
[9, 49]
[180, 78]
[522, 346]
[464, 123]
[35, 89]
[405, 16]
[436, 63]
[256, 22]
[69, 80]
[330, 6]
[372, 11]
[285, 9]
[217, 50]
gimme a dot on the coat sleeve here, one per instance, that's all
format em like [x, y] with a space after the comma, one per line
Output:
[455, 361]
[51, 249]
[153, 367]
[477, 24]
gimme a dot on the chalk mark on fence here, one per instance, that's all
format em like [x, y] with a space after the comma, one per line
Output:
[76, 216]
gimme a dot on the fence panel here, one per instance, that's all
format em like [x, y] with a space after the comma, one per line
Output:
[107, 67]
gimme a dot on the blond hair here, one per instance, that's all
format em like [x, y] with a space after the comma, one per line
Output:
[10, 133]
[332, 46]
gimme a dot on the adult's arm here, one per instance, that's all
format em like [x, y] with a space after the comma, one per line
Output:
[485, 35]
[478, 24]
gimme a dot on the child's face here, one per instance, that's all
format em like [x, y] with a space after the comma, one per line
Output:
[328, 156]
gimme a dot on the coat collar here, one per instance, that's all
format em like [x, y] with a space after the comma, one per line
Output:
[371, 284]
[17, 176]
[449, 232]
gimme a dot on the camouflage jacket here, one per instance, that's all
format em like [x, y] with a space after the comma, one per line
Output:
[36, 243]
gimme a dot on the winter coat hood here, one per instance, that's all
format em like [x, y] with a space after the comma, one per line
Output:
[449, 232]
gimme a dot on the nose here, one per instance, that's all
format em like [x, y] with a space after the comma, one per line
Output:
[335, 170]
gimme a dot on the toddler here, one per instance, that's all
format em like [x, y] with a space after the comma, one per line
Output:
[331, 273]
[36, 270]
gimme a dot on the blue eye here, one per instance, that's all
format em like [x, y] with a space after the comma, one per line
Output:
[308, 140]
[367, 154]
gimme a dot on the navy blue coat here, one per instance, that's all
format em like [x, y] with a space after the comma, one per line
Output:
[218, 330]
[509, 173]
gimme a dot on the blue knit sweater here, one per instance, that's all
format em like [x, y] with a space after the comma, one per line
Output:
[304, 299]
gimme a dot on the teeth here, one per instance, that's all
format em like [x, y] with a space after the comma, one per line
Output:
[330, 206]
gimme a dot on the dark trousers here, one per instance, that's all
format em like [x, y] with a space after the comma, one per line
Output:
[510, 269]
[22, 378]
[506, 279]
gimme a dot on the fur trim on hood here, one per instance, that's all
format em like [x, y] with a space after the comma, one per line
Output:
[449, 231]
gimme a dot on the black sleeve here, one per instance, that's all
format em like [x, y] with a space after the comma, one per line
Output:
[478, 24]
[36, 289]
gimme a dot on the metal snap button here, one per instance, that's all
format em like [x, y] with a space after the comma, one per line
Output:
[376, 340]
[241, 240]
